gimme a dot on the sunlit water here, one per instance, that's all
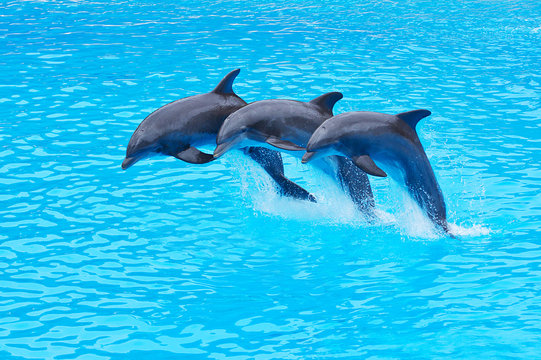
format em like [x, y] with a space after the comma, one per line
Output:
[174, 261]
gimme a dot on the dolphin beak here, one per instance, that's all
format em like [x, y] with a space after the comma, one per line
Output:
[222, 148]
[307, 156]
[129, 161]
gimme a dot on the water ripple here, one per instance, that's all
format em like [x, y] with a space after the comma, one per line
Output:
[174, 260]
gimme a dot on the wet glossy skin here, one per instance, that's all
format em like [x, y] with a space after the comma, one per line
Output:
[289, 120]
[186, 122]
[267, 123]
[391, 142]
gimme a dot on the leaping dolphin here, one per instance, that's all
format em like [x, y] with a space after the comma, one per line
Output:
[178, 127]
[389, 140]
[288, 125]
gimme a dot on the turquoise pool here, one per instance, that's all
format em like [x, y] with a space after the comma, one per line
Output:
[176, 261]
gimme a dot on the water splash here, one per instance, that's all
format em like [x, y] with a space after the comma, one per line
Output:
[395, 207]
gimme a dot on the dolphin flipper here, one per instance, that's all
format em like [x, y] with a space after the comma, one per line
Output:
[271, 162]
[283, 144]
[368, 165]
[356, 183]
[193, 156]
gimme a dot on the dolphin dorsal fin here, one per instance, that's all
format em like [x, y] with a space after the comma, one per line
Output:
[226, 85]
[413, 117]
[327, 101]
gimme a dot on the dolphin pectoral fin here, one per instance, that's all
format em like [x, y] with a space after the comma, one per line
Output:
[193, 156]
[283, 144]
[365, 163]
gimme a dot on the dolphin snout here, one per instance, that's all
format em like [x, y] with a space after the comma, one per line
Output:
[128, 161]
[307, 156]
[222, 149]
[225, 143]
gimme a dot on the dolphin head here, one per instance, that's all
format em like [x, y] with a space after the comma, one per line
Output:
[322, 143]
[142, 144]
[349, 135]
[234, 131]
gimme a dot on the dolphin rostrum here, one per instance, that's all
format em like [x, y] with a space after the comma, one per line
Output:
[178, 127]
[288, 125]
[368, 138]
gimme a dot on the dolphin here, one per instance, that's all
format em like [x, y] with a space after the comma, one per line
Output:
[368, 138]
[178, 127]
[288, 125]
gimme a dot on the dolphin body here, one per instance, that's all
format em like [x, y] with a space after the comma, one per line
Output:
[390, 140]
[288, 125]
[178, 127]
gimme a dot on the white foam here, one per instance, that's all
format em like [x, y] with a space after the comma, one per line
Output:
[474, 230]
[394, 207]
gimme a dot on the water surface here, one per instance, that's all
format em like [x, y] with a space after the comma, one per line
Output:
[177, 261]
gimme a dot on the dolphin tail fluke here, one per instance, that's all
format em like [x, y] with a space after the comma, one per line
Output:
[283, 144]
[193, 156]
[447, 231]
[414, 116]
[368, 165]
[226, 85]
[290, 189]
[327, 101]
[271, 162]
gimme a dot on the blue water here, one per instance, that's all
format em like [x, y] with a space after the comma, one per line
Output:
[177, 261]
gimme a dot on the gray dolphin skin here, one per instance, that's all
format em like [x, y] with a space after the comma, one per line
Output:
[288, 125]
[178, 127]
[390, 140]
[277, 123]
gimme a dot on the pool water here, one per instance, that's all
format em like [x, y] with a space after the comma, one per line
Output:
[178, 261]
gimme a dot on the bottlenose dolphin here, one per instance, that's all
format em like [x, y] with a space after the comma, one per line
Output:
[178, 127]
[288, 125]
[390, 140]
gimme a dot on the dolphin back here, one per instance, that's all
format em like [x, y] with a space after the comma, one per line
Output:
[226, 85]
